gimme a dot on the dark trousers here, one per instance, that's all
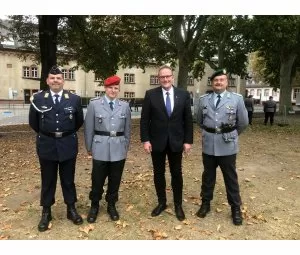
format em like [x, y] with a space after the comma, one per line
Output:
[269, 115]
[101, 170]
[228, 168]
[159, 165]
[49, 169]
[250, 114]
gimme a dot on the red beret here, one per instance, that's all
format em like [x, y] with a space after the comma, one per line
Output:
[112, 80]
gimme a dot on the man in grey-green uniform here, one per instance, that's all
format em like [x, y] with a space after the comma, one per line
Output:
[222, 117]
[107, 135]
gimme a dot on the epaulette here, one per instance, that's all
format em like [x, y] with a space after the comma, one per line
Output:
[204, 95]
[32, 96]
[95, 98]
[237, 94]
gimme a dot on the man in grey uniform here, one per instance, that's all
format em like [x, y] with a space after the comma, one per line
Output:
[222, 116]
[107, 136]
[269, 110]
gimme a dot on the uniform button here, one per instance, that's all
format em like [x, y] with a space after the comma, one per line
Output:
[57, 129]
[112, 118]
[57, 121]
[56, 114]
[112, 124]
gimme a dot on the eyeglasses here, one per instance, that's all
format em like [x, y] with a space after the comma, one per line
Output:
[165, 76]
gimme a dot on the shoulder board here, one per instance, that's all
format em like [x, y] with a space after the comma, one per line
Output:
[95, 98]
[204, 95]
[123, 100]
[36, 93]
[236, 94]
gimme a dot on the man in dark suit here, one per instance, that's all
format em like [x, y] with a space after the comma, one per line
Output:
[166, 129]
[55, 115]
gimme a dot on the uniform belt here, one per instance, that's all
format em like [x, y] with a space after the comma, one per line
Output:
[219, 130]
[111, 133]
[57, 134]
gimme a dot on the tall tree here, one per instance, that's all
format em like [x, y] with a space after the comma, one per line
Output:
[278, 40]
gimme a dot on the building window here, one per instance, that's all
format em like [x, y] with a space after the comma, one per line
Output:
[9, 65]
[129, 94]
[99, 80]
[30, 72]
[68, 74]
[258, 93]
[274, 93]
[252, 92]
[99, 93]
[154, 80]
[232, 83]
[266, 92]
[190, 80]
[208, 81]
[129, 78]
[296, 92]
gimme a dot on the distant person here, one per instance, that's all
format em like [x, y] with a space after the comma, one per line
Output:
[249, 103]
[222, 117]
[131, 104]
[269, 110]
[136, 106]
[107, 136]
[56, 115]
[166, 128]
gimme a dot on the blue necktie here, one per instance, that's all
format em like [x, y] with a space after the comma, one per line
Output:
[56, 99]
[218, 101]
[111, 105]
[168, 104]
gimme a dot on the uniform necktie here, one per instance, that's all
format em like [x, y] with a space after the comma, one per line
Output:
[168, 104]
[56, 99]
[111, 105]
[218, 101]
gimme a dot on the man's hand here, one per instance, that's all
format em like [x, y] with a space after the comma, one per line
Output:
[147, 147]
[187, 147]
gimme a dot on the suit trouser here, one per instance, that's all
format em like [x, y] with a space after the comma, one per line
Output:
[228, 168]
[159, 165]
[269, 115]
[49, 170]
[101, 170]
[250, 114]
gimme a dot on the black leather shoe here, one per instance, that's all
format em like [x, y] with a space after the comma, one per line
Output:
[204, 209]
[237, 218]
[158, 209]
[179, 212]
[92, 216]
[45, 219]
[112, 211]
[73, 215]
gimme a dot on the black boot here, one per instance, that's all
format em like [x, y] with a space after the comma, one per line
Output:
[112, 211]
[73, 215]
[237, 218]
[45, 220]
[204, 209]
[179, 212]
[93, 213]
[158, 209]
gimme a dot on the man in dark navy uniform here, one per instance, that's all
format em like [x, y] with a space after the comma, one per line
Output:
[56, 115]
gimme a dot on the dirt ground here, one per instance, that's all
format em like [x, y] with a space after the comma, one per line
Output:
[269, 177]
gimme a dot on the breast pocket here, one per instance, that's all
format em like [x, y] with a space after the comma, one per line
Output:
[100, 118]
[69, 113]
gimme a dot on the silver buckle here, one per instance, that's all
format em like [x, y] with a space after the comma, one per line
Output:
[58, 134]
[218, 130]
[113, 133]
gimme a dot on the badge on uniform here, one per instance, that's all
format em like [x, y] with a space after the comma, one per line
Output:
[71, 116]
[66, 96]
[46, 95]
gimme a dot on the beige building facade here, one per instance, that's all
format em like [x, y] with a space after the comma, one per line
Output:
[19, 79]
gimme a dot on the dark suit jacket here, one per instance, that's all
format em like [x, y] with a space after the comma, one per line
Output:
[67, 116]
[158, 128]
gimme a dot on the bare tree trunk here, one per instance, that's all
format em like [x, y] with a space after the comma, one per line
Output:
[183, 72]
[286, 65]
[48, 26]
